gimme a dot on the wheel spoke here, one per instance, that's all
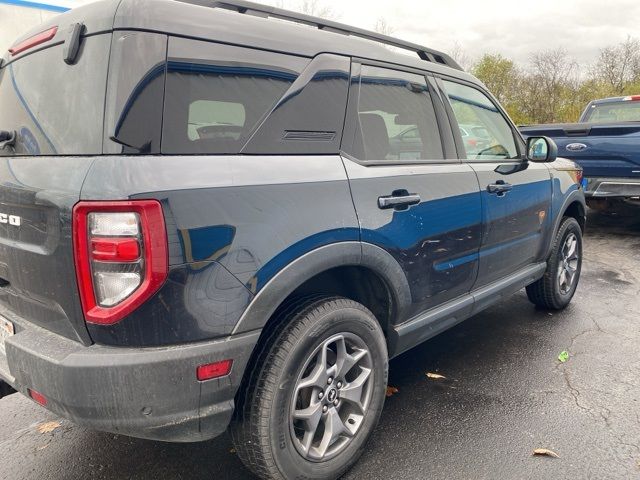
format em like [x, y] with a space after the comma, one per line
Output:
[352, 392]
[572, 244]
[350, 361]
[333, 429]
[310, 416]
[319, 375]
[569, 277]
[562, 280]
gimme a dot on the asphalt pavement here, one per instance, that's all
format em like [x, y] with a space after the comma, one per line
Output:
[505, 393]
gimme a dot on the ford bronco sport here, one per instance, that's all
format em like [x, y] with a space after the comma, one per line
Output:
[210, 218]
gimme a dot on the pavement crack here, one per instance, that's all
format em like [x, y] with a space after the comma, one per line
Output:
[575, 393]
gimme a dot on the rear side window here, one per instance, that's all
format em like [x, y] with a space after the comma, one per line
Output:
[395, 120]
[133, 117]
[485, 132]
[57, 109]
[611, 112]
[216, 95]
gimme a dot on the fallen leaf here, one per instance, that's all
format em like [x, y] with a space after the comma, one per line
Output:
[545, 453]
[564, 356]
[391, 391]
[436, 376]
[48, 427]
[232, 451]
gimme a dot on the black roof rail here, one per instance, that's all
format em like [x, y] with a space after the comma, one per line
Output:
[266, 11]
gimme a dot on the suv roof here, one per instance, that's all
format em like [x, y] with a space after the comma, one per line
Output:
[220, 21]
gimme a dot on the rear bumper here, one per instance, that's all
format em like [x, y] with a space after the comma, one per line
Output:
[146, 393]
[612, 187]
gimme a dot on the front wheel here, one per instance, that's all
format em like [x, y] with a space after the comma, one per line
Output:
[315, 393]
[558, 285]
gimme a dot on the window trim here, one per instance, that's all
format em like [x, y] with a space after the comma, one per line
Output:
[349, 133]
[517, 138]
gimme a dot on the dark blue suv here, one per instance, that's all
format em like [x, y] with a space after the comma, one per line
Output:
[214, 217]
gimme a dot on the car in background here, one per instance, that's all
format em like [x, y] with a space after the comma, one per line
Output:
[408, 142]
[606, 144]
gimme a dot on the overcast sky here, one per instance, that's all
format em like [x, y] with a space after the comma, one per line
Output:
[511, 28]
[514, 29]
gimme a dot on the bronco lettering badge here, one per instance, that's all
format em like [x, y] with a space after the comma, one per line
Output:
[10, 219]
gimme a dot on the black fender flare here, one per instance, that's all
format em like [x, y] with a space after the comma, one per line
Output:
[573, 197]
[324, 258]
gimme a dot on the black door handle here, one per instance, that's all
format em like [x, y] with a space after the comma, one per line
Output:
[398, 200]
[500, 188]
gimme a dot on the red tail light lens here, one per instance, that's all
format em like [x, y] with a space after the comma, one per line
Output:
[632, 98]
[120, 252]
[31, 42]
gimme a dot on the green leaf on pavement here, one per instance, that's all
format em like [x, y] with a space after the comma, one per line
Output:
[564, 356]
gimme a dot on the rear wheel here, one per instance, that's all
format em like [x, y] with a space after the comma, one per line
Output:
[315, 393]
[558, 285]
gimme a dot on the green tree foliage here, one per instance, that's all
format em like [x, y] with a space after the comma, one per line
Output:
[550, 87]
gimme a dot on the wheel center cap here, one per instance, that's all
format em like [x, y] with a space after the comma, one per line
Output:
[333, 394]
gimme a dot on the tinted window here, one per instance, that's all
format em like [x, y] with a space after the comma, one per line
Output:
[216, 95]
[135, 93]
[396, 118]
[57, 109]
[486, 134]
[309, 119]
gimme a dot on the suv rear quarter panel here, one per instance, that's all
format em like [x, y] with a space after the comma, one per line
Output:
[233, 222]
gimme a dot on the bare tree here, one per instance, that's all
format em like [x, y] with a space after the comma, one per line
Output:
[315, 8]
[619, 64]
[552, 73]
[383, 27]
[310, 7]
[458, 53]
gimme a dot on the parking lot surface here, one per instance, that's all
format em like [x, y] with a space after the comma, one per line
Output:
[505, 393]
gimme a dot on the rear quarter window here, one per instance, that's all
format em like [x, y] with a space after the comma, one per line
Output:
[217, 95]
[56, 109]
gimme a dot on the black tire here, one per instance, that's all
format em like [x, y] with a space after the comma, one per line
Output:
[263, 430]
[550, 292]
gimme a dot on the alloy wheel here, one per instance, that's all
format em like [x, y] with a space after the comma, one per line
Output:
[568, 265]
[331, 397]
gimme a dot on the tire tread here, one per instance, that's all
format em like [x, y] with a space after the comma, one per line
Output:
[250, 426]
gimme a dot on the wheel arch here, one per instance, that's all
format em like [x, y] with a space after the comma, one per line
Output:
[574, 206]
[360, 271]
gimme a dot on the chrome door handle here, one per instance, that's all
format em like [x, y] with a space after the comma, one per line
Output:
[399, 200]
[500, 188]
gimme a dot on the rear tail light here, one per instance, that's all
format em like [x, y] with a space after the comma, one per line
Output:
[34, 41]
[632, 98]
[120, 251]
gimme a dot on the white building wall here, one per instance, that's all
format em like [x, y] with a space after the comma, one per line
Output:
[15, 21]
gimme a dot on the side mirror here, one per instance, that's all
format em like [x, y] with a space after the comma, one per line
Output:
[541, 149]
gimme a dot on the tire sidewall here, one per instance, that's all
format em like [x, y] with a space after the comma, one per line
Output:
[287, 458]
